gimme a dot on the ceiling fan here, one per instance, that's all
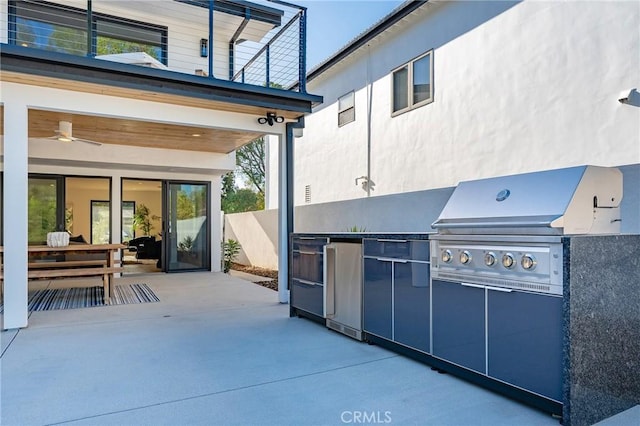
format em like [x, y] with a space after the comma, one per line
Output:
[64, 134]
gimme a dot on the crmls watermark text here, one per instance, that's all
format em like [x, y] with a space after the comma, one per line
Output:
[362, 417]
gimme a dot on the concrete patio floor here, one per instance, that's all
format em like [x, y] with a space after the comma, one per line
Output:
[218, 350]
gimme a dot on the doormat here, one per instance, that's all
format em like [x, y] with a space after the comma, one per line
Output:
[88, 297]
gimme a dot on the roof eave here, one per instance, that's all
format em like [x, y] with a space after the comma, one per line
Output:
[394, 17]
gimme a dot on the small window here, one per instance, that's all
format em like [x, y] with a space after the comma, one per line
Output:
[412, 84]
[346, 109]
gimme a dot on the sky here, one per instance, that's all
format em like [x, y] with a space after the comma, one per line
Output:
[331, 24]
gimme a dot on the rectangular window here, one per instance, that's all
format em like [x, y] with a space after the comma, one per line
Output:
[128, 211]
[45, 202]
[412, 84]
[100, 222]
[346, 109]
[60, 28]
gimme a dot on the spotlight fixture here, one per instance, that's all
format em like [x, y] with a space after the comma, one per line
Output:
[271, 118]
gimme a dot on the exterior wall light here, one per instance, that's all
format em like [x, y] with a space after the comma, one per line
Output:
[204, 44]
[271, 118]
[626, 97]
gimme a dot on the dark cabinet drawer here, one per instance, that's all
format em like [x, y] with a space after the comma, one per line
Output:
[307, 266]
[307, 296]
[397, 249]
[312, 245]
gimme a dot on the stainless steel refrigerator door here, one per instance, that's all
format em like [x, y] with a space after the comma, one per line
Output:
[343, 284]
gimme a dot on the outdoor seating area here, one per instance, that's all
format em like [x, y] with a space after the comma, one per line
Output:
[220, 350]
[76, 260]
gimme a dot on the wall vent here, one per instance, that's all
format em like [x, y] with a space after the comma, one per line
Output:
[307, 193]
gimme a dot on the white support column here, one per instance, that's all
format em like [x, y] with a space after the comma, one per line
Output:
[15, 206]
[283, 236]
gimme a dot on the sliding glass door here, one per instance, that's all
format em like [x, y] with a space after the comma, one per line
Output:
[186, 226]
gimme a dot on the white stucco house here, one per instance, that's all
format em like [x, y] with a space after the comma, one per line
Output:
[168, 96]
[441, 92]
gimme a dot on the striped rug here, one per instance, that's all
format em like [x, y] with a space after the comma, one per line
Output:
[87, 297]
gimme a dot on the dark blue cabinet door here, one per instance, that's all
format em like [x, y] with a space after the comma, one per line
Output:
[307, 297]
[459, 324]
[411, 305]
[377, 297]
[525, 341]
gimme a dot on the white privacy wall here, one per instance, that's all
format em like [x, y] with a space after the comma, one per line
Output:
[518, 87]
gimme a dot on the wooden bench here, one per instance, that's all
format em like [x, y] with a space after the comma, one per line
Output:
[103, 267]
[71, 269]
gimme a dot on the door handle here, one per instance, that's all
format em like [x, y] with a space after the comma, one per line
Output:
[473, 285]
[329, 275]
[501, 289]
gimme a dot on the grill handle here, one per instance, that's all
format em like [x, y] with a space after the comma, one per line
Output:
[528, 224]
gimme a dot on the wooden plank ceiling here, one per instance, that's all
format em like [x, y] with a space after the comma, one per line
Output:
[43, 124]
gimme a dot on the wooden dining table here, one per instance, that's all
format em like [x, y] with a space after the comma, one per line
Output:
[75, 260]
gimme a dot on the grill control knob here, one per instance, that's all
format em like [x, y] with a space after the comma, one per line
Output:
[508, 261]
[528, 262]
[465, 257]
[490, 259]
[446, 256]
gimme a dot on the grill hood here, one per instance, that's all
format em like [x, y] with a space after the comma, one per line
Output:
[576, 200]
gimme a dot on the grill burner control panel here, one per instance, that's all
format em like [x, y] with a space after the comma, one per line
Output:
[532, 267]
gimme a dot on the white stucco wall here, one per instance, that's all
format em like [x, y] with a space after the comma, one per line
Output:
[518, 87]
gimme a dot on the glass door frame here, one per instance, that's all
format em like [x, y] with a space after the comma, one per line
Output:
[166, 217]
[60, 197]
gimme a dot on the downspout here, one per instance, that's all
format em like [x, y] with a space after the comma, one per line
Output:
[285, 208]
[369, 103]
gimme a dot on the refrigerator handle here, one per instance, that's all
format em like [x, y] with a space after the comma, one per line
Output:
[329, 280]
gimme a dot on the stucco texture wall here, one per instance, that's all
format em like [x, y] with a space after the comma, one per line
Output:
[518, 87]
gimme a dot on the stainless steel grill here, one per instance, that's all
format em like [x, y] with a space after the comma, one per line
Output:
[506, 232]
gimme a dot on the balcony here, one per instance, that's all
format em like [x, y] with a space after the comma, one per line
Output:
[211, 40]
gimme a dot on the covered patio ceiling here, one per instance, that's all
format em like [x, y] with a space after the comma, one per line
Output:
[146, 134]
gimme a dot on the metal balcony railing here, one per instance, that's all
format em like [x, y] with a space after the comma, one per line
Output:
[259, 43]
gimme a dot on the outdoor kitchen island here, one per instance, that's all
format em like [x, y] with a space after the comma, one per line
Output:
[528, 288]
[598, 324]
